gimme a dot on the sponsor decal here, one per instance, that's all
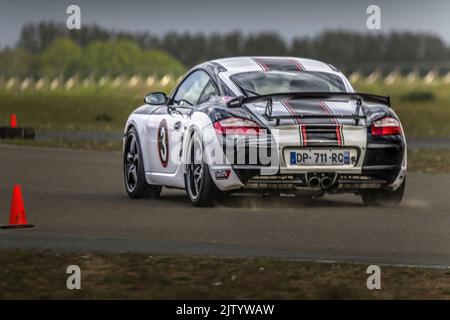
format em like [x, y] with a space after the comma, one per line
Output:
[222, 174]
[216, 98]
[163, 143]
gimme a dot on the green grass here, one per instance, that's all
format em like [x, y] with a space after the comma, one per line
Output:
[429, 160]
[423, 108]
[80, 109]
[42, 275]
[69, 144]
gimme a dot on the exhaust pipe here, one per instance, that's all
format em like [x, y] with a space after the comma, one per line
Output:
[326, 182]
[314, 182]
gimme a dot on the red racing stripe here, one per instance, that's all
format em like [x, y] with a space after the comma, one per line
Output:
[261, 64]
[299, 65]
[281, 64]
[338, 127]
[338, 135]
[341, 128]
[291, 110]
[304, 137]
[328, 110]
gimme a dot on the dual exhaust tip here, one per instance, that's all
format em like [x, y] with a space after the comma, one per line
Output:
[317, 182]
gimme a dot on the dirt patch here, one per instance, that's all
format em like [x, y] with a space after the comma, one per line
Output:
[42, 275]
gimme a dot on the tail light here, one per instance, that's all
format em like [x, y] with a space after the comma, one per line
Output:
[386, 127]
[237, 126]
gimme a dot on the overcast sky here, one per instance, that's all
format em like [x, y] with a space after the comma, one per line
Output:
[288, 17]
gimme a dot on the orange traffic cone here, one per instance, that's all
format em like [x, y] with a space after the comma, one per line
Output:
[17, 218]
[13, 121]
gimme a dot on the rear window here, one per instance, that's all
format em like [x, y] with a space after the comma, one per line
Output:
[270, 82]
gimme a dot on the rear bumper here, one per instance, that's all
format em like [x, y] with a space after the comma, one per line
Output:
[381, 163]
[373, 174]
[386, 157]
[297, 182]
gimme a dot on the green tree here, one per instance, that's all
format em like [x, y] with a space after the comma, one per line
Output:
[158, 62]
[111, 58]
[61, 58]
[125, 57]
[16, 62]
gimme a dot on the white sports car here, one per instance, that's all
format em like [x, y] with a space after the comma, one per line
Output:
[267, 124]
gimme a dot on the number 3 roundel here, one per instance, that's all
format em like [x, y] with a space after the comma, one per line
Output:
[163, 143]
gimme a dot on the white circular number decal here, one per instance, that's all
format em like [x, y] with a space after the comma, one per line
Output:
[163, 143]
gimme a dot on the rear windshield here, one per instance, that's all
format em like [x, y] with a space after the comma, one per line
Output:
[270, 82]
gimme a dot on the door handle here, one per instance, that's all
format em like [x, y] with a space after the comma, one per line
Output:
[177, 125]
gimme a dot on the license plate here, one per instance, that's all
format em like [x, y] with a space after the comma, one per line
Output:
[311, 157]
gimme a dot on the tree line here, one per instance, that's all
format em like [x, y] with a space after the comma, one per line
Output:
[65, 58]
[346, 49]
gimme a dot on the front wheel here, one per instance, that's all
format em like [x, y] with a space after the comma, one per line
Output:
[390, 198]
[200, 187]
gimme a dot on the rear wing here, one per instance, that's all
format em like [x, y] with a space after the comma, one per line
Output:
[359, 97]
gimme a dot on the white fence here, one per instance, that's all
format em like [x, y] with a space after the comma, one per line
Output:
[138, 82]
[432, 77]
[22, 84]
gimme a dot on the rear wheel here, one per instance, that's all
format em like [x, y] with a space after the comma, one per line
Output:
[133, 168]
[200, 187]
[388, 198]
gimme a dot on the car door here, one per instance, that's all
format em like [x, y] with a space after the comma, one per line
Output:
[168, 127]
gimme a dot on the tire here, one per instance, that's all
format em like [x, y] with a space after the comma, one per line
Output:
[133, 168]
[200, 186]
[388, 198]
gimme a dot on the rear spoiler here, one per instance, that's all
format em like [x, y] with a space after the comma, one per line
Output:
[359, 97]
[238, 101]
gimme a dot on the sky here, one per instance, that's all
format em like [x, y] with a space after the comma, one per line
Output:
[289, 18]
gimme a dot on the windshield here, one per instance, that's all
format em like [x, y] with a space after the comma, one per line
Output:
[270, 82]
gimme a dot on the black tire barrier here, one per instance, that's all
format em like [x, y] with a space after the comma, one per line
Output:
[17, 133]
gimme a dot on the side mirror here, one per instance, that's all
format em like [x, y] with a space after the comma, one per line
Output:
[156, 98]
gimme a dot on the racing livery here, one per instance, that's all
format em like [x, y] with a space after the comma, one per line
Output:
[273, 125]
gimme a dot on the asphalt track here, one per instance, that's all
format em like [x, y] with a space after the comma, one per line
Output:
[77, 201]
[431, 143]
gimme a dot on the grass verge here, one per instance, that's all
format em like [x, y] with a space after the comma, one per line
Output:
[88, 109]
[42, 275]
[429, 160]
[423, 108]
[97, 145]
